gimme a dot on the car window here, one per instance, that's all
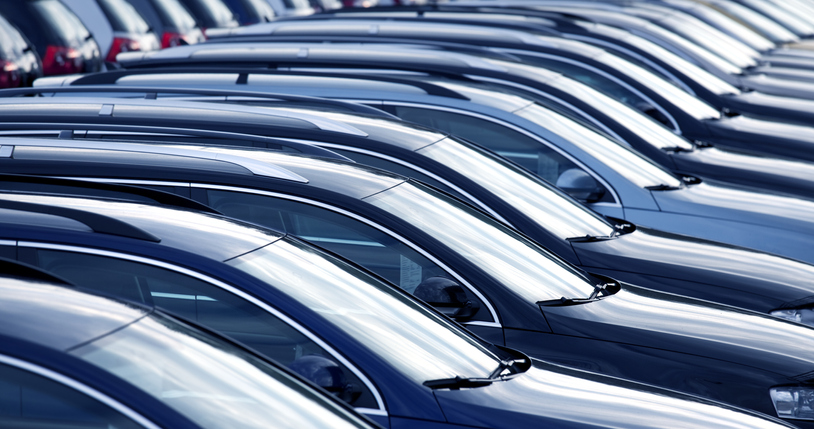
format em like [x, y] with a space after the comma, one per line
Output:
[195, 300]
[30, 400]
[124, 17]
[174, 14]
[351, 238]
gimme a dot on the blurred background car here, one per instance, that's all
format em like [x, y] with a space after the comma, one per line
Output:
[63, 43]
[19, 63]
[171, 21]
[211, 14]
[116, 26]
[251, 11]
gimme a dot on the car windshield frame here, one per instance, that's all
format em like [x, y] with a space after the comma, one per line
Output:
[517, 262]
[524, 191]
[417, 341]
[166, 359]
[621, 158]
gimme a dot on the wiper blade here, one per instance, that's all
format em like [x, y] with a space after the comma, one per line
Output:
[457, 383]
[504, 365]
[589, 238]
[602, 288]
[662, 187]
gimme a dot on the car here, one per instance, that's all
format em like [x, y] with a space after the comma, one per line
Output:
[251, 11]
[297, 302]
[116, 26]
[19, 63]
[171, 21]
[62, 42]
[73, 358]
[211, 14]
[498, 293]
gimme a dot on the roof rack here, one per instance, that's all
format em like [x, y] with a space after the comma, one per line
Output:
[68, 131]
[160, 197]
[96, 222]
[258, 168]
[151, 93]
[10, 267]
[110, 77]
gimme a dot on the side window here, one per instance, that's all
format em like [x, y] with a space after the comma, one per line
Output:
[523, 150]
[361, 243]
[198, 301]
[32, 401]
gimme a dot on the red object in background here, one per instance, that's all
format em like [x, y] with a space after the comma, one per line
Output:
[170, 39]
[121, 44]
[9, 75]
[61, 60]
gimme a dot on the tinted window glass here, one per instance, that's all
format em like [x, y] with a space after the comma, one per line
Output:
[193, 299]
[123, 17]
[31, 401]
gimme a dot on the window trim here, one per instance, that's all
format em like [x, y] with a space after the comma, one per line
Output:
[78, 386]
[382, 411]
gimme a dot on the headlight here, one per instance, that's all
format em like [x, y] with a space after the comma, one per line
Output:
[793, 402]
[799, 315]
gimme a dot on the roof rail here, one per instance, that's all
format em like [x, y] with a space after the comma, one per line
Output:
[152, 92]
[96, 222]
[258, 168]
[110, 77]
[67, 131]
[160, 197]
[10, 267]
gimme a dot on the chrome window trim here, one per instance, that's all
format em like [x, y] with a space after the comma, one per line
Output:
[129, 181]
[185, 271]
[606, 75]
[81, 387]
[612, 46]
[387, 231]
[8, 242]
[414, 167]
[520, 130]
[573, 108]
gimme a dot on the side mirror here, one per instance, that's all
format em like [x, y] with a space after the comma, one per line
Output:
[326, 374]
[447, 297]
[580, 185]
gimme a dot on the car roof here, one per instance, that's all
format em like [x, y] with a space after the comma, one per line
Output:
[347, 178]
[205, 234]
[73, 317]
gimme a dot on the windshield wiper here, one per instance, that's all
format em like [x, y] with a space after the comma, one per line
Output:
[601, 288]
[504, 365]
[457, 383]
[662, 187]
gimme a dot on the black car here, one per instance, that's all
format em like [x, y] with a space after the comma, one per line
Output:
[19, 62]
[477, 270]
[171, 21]
[61, 40]
[71, 358]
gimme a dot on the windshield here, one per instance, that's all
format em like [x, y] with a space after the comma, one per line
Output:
[709, 81]
[694, 106]
[625, 161]
[518, 263]
[210, 381]
[417, 341]
[530, 195]
[648, 129]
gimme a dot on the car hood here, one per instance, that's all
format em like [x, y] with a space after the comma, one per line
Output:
[548, 394]
[761, 220]
[718, 272]
[648, 318]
